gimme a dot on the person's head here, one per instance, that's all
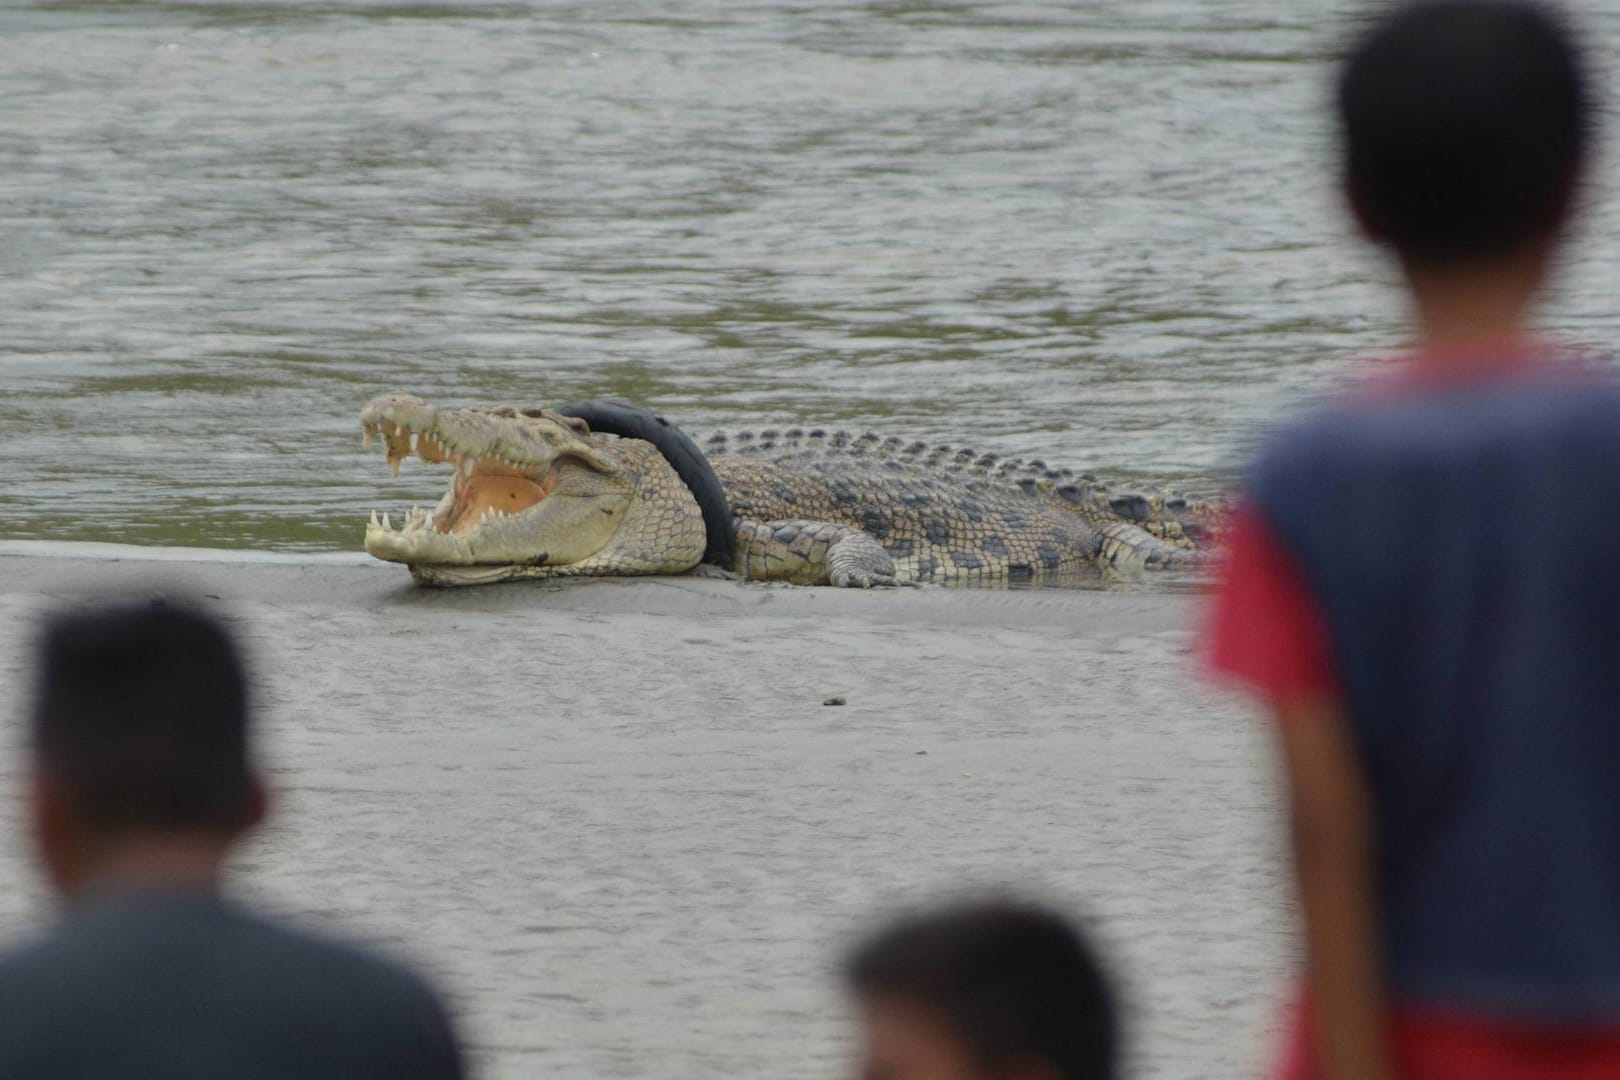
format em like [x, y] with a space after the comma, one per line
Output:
[139, 740]
[990, 990]
[1465, 127]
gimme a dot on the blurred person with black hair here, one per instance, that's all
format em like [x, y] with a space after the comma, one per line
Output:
[989, 990]
[1421, 587]
[141, 783]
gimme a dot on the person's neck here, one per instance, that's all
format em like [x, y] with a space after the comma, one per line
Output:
[1461, 308]
[153, 862]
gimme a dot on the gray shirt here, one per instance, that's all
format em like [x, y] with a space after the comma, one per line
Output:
[183, 986]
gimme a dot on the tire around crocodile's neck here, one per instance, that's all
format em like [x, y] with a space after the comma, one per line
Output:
[615, 416]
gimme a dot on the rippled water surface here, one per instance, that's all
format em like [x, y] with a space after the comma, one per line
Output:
[1099, 232]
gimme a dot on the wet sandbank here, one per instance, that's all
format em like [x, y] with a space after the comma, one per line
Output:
[617, 821]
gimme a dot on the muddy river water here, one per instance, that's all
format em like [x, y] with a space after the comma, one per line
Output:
[1099, 232]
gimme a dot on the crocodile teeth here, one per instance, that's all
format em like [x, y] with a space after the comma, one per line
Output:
[388, 526]
[399, 446]
[468, 464]
[374, 523]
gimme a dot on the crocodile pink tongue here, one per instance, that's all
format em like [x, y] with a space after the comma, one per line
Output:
[507, 494]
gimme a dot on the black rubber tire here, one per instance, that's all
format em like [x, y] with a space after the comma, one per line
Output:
[626, 419]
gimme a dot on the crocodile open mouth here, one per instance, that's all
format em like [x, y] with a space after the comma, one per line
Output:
[490, 492]
[482, 489]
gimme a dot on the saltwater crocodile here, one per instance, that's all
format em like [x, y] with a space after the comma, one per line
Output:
[537, 493]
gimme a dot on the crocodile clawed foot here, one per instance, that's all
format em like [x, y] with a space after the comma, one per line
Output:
[858, 579]
[715, 573]
[859, 562]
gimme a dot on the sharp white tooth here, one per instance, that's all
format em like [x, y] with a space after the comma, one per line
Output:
[468, 464]
[388, 526]
[373, 523]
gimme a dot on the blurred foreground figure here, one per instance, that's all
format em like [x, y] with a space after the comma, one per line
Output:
[993, 991]
[140, 786]
[1423, 587]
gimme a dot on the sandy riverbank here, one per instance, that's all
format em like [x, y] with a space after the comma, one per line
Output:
[615, 818]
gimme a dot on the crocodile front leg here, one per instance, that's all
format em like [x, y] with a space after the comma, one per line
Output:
[811, 553]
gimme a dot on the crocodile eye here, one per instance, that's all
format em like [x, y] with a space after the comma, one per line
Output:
[1131, 506]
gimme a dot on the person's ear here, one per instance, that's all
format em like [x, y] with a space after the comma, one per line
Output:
[58, 833]
[258, 807]
[1366, 221]
[1569, 194]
